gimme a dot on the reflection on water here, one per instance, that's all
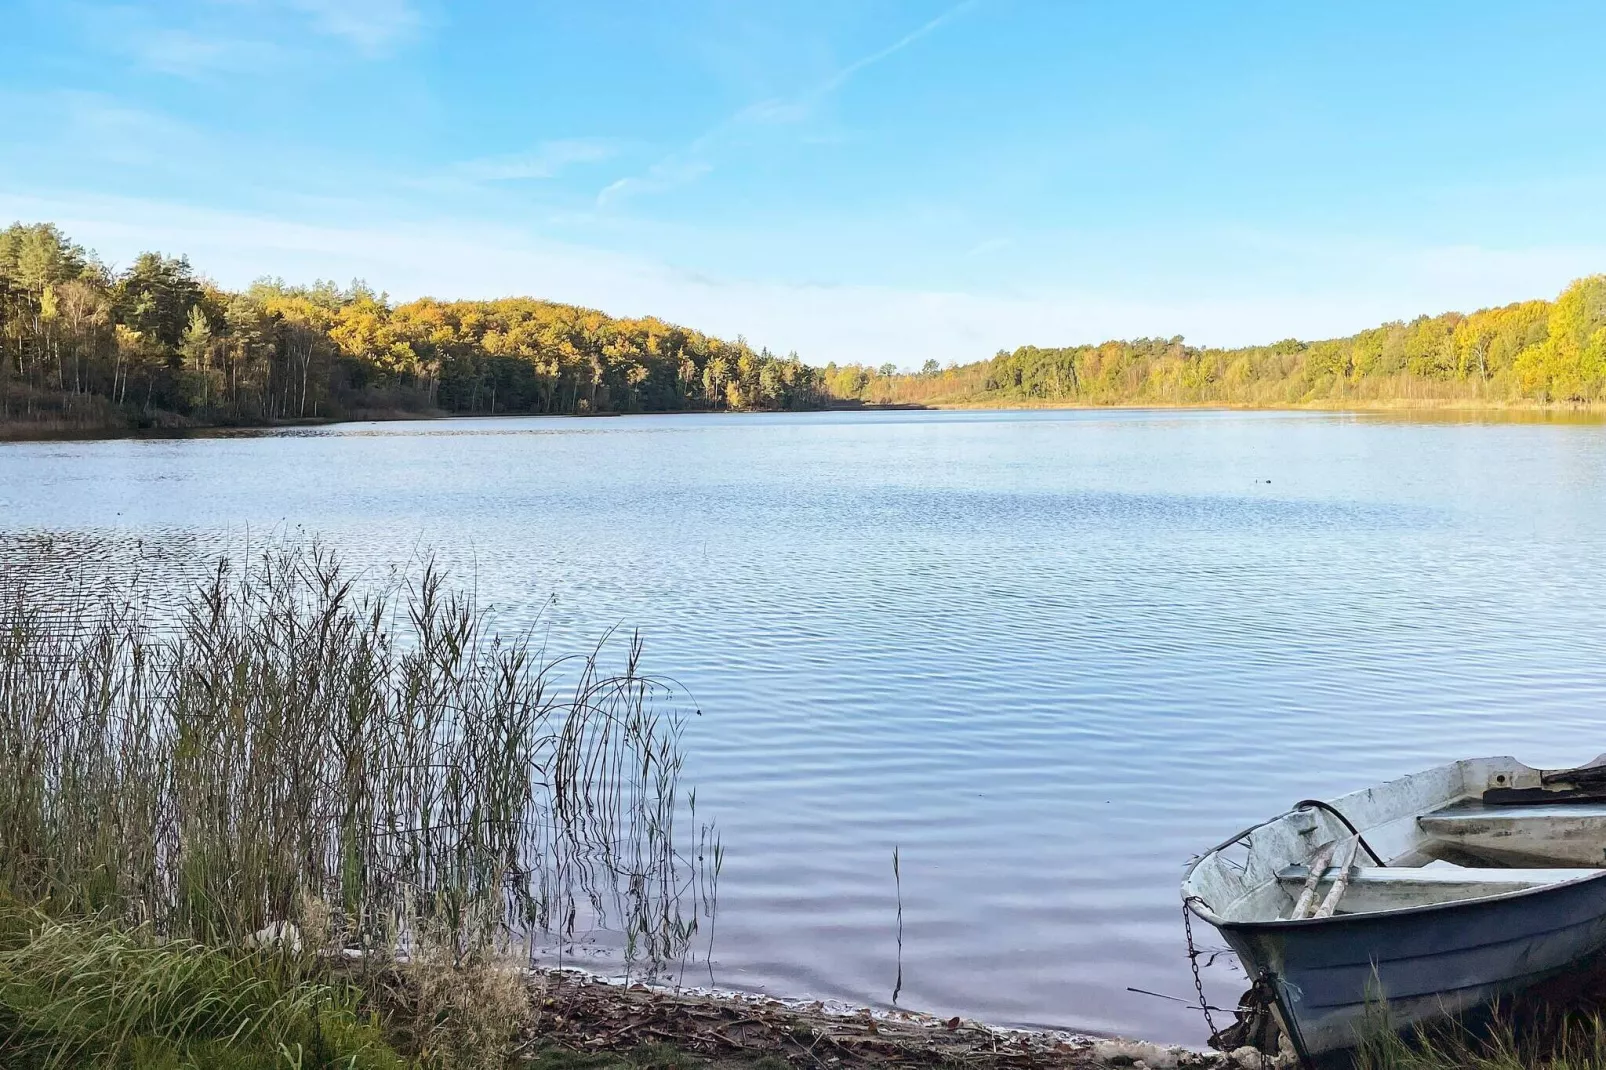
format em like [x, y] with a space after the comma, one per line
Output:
[1047, 656]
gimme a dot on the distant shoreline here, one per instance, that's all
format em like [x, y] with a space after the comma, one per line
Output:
[1591, 409]
[1586, 412]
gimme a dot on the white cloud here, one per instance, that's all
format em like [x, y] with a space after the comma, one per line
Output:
[191, 55]
[171, 40]
[989, 245]
[372, 26]
[243, 36]
[841, 77]
[871, 324]
[671, 171]
[101, 130]
[546, 160]
[776, 112]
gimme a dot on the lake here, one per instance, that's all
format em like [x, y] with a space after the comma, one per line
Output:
[1046, 655]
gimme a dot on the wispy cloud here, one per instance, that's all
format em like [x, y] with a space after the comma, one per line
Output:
[676, 169]
[546, 160]
[191, 55]
[372, 26]
[841, 77]
[244, 36]
[989, 245]
[98, 131]
[690, 162]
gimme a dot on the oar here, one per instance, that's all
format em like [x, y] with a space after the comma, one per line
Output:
[1341, 882]
[1307, 894]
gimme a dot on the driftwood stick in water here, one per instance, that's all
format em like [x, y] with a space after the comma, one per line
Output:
[1340, 882]
[1307, 894]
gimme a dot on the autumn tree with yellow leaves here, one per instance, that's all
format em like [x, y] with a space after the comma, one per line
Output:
[1532, 352]
[159, 344]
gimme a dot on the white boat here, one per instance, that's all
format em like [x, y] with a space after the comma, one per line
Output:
[1424, 897]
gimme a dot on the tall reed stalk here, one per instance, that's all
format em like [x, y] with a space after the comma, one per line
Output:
[382, 769]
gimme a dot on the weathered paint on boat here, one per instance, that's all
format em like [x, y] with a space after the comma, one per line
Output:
[1337, 977]
[1425, 962]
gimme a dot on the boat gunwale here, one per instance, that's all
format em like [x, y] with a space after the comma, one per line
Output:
[1197, 905]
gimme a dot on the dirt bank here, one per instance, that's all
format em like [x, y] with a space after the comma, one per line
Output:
[587, 1015]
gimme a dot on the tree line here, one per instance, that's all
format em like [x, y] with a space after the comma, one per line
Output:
[158, 344]
[1549, 352]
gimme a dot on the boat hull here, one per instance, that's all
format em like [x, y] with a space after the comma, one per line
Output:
[1339, 978]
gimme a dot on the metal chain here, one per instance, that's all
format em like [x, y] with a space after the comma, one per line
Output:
[1193, 961]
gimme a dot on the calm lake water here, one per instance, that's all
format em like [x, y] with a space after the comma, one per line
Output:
[1046, 655]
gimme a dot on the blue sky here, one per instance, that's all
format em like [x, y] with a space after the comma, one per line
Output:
[894, 180]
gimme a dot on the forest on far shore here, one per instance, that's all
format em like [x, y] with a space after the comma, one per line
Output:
[159, 345]
[1528, 353]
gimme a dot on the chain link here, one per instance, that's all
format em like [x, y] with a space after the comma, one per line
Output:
[1193, 961]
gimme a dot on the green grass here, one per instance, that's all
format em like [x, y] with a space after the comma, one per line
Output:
[83, 994]
[1554, 1041]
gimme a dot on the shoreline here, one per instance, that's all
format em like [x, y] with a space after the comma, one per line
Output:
[583, 1012]
[1523, 412]
[1583, 412]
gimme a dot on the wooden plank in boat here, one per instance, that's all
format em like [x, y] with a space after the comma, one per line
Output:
[1440, 875]
[1340, 883]
[1373, 888]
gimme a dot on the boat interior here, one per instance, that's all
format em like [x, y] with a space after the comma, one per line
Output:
[1472, 829]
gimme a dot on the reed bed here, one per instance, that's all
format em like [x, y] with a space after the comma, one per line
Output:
[291, 757]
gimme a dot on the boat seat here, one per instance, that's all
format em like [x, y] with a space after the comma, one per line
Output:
[1555, 833]
[1374, 888]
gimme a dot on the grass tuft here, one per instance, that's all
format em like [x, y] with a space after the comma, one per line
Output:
[87, 994]
[1560, 1042]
